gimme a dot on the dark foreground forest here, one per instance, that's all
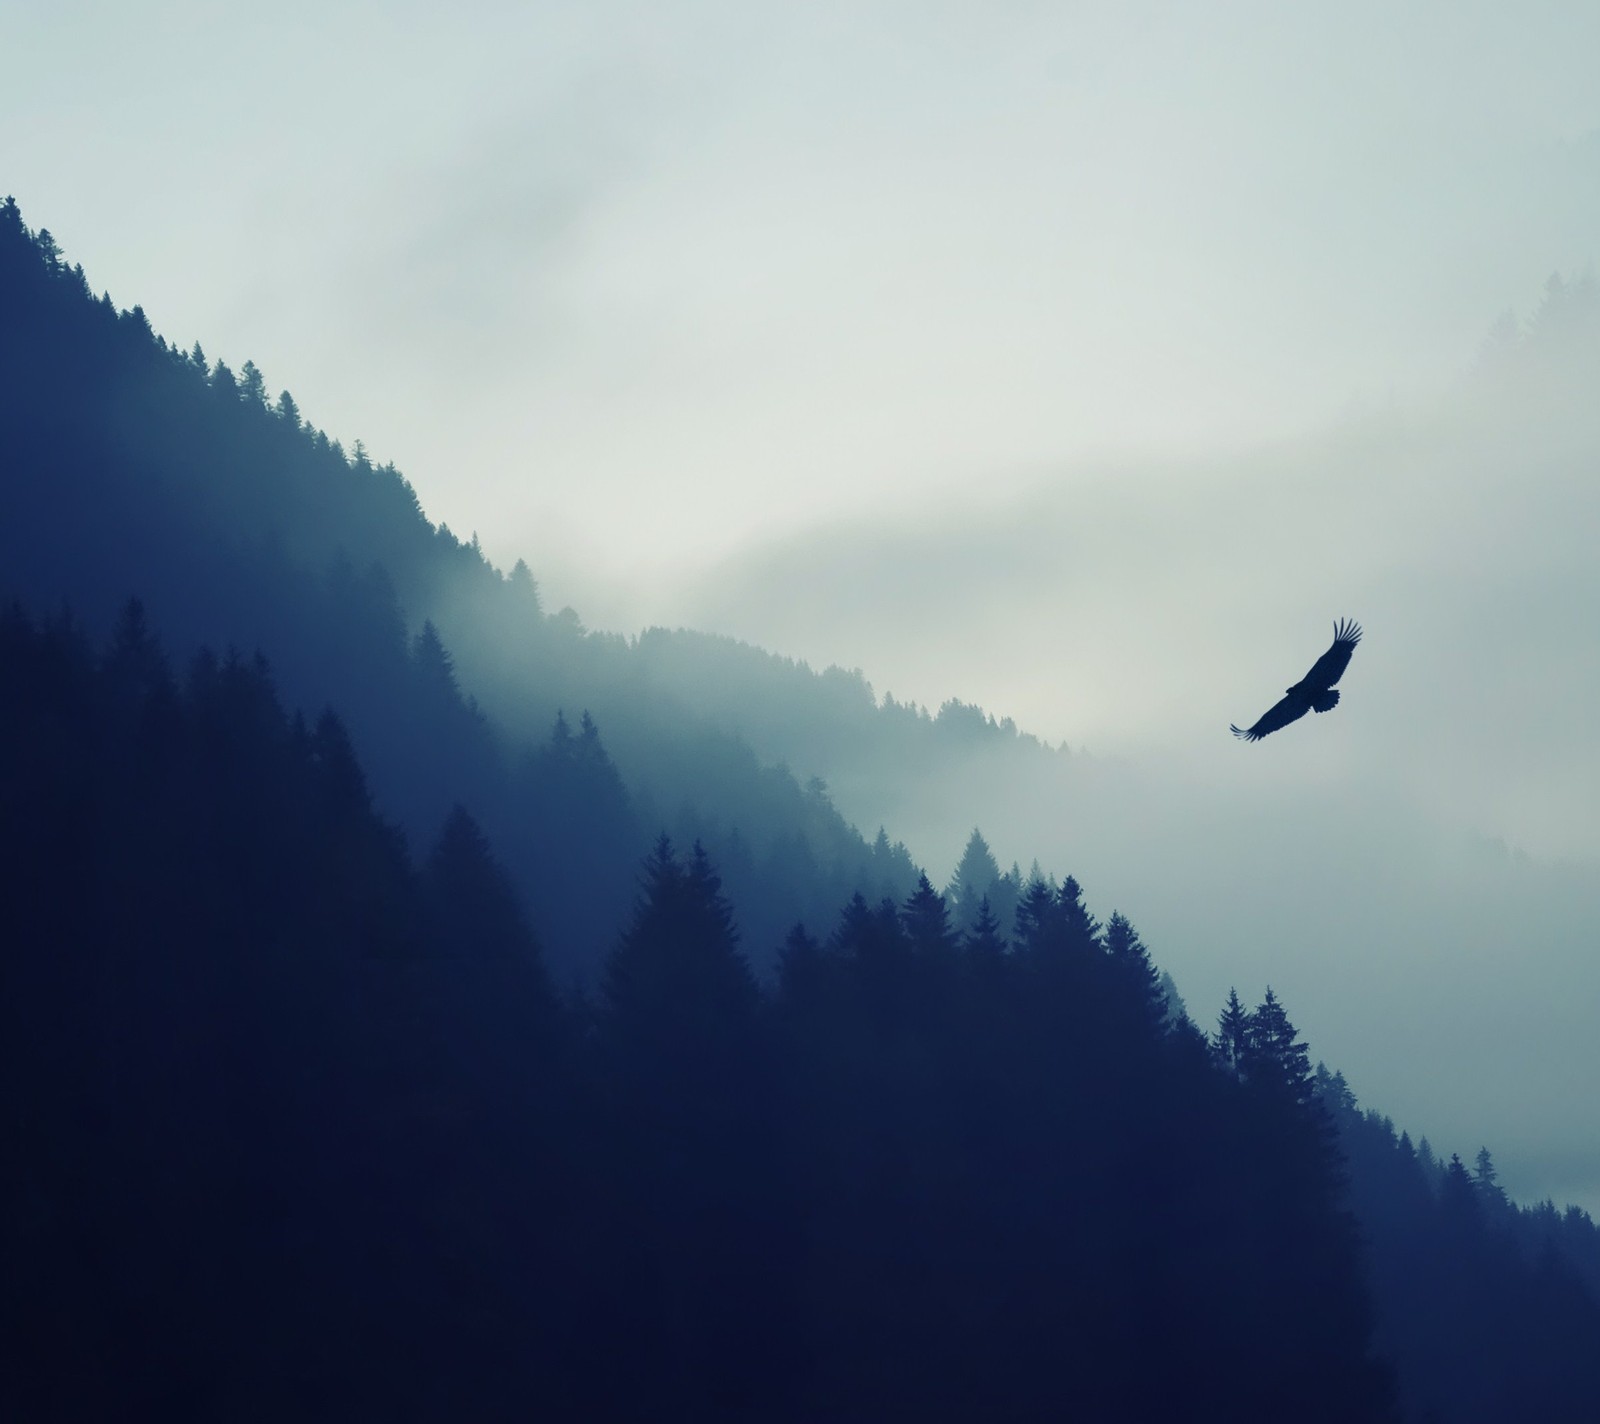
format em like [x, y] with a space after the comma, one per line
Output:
[304, 1125]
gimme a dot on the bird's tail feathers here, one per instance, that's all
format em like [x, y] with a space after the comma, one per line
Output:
[1326, 702]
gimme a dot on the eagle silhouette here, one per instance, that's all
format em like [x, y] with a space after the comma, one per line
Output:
[1314, 692]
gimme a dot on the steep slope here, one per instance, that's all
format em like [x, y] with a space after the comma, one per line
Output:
[134, 469]
[131, 467]
[301, 1130]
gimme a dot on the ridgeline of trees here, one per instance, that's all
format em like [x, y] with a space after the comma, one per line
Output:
[134, 467]
[308, 1123]
[302, 1128]
[307, 1131]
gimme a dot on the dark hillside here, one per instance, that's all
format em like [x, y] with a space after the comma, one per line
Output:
[301, 1130]
[307, 1124]
[1489, 1310]
[135, 469]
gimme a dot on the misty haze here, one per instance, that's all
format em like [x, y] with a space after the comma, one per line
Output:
[661, 838]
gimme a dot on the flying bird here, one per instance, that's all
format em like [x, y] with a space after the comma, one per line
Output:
[1314, 692]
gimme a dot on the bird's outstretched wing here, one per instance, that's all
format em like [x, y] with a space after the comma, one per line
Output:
[1288, 709]
[1329, 668]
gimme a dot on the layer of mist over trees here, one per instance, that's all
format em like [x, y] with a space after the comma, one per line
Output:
[1446, 827]
[312, 1120]
[139, 469]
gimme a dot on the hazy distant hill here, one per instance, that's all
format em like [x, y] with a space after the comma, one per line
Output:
[1434, 842]
[1130, 604]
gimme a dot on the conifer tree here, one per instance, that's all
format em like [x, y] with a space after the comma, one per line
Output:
[1135, 974]
[1428, 1161]
[975, 878]
[1037, 919]
[134, 664]
[690, 1100]
[435, 665]
[252, 385]
[1233, 1035]
[477, 912]
[927, 921]
[1080, 929]
[1176, 1008]
[1274, 1056]
[676, 982]
[1487, 1180]
[525, 589]
[1460, 1205]
[1334, 1092]
[985, 945]
[343, 781]
[854, 925]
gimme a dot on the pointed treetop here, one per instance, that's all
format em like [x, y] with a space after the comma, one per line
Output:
[678, 961]
[1083, 930]
[1038, 919]
[525, 586]
[1233, 1033]
[1274, 1054]
[984, 941]
[433, 659]
[252, 384]
[927, 919]
[1136, 973]
[975, 873]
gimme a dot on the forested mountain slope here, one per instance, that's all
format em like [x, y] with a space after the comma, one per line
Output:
[134, 469]
[307, 1133]
[307, 1125]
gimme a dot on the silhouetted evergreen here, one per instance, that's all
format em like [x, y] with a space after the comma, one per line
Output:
[1137, 979]
[984, 941]
[1231, 1041]
[978, 879]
